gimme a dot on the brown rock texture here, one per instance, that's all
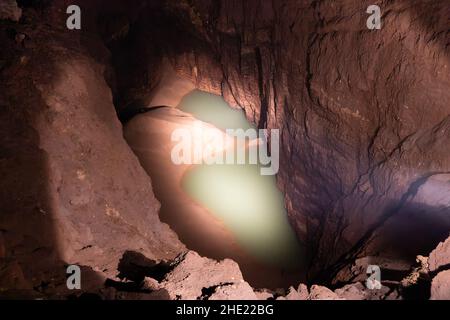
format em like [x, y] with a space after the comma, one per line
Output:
[9, 10]
[362, 162]
[440, 286]
[195, 277]
[72, 190]
[439, 258]
[263, 294]
[300, 294]
[364, 118]
[439, 269]
[357, 291]
[322, 293]
[239, 291]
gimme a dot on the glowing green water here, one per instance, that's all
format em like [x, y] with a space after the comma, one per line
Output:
[249, 204]
[213, 109]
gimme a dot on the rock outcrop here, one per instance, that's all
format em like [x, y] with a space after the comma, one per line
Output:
[195, 277]
[440, 257]
[440, 286]
[73, 192]
[439, 265]
[321, 293]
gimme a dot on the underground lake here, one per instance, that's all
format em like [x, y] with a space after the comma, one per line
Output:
[248, 203]
[219, 210]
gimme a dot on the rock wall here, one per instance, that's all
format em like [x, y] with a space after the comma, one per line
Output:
[73, 192]
[364, 115]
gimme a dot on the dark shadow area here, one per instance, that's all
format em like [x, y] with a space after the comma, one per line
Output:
[135, 291]
[29, 248]
[415, 230]
[419, 291]
[128, 113]
[150, 35]
[406, 231]
[135, 266]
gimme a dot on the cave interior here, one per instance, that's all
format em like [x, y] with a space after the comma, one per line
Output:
[363, 179]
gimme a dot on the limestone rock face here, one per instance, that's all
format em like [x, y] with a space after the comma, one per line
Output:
[357, 291]
[439, 268]
[195, 277]
[239, 291]
[263, 294]
[302, 291]
[440, 257]
[72, 189]
[351, 292]
[322, 293]
[300, 294]
[440, 286]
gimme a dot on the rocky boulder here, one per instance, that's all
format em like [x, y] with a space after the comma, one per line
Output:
[439, 258]
[195, 277]
[440, 286]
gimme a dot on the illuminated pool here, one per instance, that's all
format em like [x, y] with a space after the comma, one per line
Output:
[249, 204]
